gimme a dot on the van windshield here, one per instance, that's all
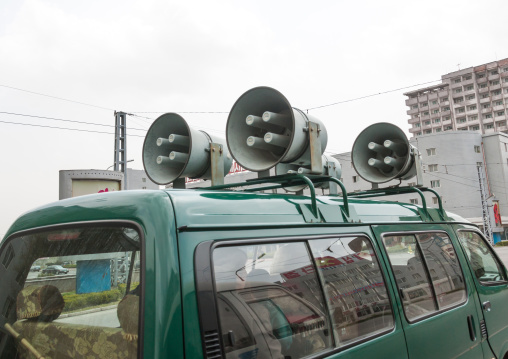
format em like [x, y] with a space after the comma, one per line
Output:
[71, 293]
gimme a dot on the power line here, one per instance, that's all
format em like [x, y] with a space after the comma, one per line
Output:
[59, 119]
[134, 112]
[56, 97]
[372, 95]
[62, 128]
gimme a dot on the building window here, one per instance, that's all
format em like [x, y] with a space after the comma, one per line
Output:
[424, 104]
[447, 108]
[435, 183]
[486, 105]
[479, 164]
[438, 130]
[414, 107]
[413, 201]
[444, 99]
[143, 179]
[456, 81]
[473, 118]
[471, 108]
[485, 95]
[433, 168]
[435, 200]
[426, 113]
[480, 76]
[505, 69]
[461, 120]
[431, 151]
[469, 88]
[471, 97]
[474, 128]
[489, 126]
[417, 124]
[355, 179]
[494, 72]
[437, 120]
[496, 93]
[458, 100]
[434, 102]
[477, 149]
[428, 132]
[494, 83]
[489, 115]
[426, 123]
[143, 187]
[500, 113]
[468, 77]
[482, 86]
[461, 110]
[499, 103]
[435, 111]
[447, 118]
[448, 128]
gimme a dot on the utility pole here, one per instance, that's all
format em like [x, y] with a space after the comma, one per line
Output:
[120, 163]
[487, 229]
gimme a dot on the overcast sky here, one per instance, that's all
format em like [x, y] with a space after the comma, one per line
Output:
[148, 56]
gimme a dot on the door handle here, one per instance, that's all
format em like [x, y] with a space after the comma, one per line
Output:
[486, 306]
[472, 336]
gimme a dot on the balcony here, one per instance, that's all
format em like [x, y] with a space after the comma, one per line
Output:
[470, 102]
[489, 130]
[415, 129]
[426, 117]
[432, 95]
[505, 84]
[436, 124]
[487, 110]
[472, 123]
[487, 120]
[444, 103]
[502, 128]
[411, 101]
[443, 93]
[504, 74]
[423, 98]
[449, 122]
[482, 80]
[413, 111]
[445, 113]
[467, 82]
[472, 112]
[500, 118]
[495, 87]
[485, 100]
[498, 108]
[483, 90]
[469, 92]
[413, 120]
[497, 97]
[434, 106]
[493, 77]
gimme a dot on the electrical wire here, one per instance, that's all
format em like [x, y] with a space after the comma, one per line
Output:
[63, 128]
[56, 97]
[60, 119]
[371, 95]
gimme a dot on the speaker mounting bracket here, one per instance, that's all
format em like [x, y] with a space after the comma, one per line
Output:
[217, 163]
[316, 163]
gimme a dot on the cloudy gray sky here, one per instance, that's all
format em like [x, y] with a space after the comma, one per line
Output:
[193, 56]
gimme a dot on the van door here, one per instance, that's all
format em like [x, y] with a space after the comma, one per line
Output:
[490, 278]
[435, 298]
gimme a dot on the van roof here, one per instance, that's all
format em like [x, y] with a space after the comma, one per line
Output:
[202, 208]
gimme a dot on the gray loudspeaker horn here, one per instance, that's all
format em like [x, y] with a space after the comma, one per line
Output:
[174, 150]
[382, 152]
[264, 130]
[331, 167]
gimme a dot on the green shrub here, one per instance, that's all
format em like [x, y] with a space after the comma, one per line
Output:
[75, 301]
[501, 244]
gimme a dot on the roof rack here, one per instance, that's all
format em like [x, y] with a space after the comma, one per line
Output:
[294, 179]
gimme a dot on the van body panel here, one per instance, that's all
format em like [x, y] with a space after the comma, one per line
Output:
[496, 318]
[446, 331]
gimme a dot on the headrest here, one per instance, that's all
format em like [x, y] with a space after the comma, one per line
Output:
[42, 302]
[128, 311]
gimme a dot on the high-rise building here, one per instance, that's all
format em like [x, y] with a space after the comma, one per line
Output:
[472, 99]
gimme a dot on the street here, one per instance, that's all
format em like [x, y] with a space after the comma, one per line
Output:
[502, 252]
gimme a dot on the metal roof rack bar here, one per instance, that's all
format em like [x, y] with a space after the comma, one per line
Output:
[402, 190]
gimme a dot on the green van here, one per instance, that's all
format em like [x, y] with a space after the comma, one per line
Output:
[240, 270]
[233, 274]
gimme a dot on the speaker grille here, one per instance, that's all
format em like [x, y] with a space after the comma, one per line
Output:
[212, 345]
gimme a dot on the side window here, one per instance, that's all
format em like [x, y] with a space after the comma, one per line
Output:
[427, 272]
[485, 266]
[276, 294]
[354, 286]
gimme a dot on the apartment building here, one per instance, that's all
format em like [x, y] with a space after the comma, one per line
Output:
[472, 99]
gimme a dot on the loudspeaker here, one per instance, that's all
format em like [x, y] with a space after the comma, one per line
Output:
[382, 152]
[331, 167]
[264, 130]
[174, 150]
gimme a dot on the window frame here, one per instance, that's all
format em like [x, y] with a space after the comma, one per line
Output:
[120, 223]
[499, 261]
[427, 272]
[206, 291]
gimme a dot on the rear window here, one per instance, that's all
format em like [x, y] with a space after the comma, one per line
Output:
[71, 293]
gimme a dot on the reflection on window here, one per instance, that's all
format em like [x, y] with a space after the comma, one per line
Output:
[77, 292]
[275, 294]
[355, 289]
[485, 266]
[415, 257]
